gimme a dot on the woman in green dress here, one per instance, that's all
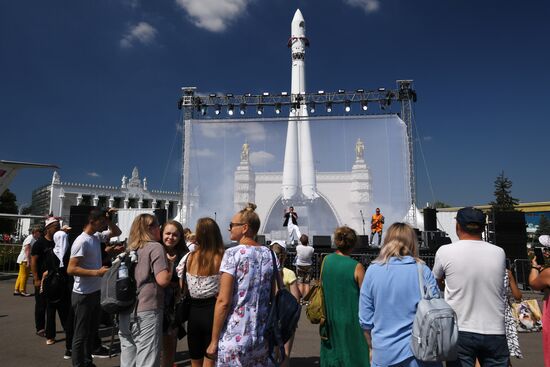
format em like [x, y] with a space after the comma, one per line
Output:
[343, 343]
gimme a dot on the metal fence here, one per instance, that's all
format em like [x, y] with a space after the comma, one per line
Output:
[364, 259]
[8, 258]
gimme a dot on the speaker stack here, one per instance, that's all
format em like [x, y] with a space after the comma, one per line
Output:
[322, 244]
[432, 238]
[508, 230]
[78, 218]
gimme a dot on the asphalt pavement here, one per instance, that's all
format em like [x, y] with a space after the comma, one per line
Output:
[19, 346]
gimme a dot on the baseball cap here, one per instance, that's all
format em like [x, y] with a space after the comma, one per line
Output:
[469, 215]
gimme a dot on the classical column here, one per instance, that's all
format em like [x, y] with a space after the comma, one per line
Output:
[95, 200]
[167, 205]
[79, 199]
[154, 204]
[126, 202]
[111, 201]
[61, 197]
[179, 208]
[140, 203]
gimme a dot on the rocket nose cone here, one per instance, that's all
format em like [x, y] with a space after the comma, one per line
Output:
[298, 24]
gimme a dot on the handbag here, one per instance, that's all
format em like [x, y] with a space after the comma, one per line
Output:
[528, 314]
[283, 317]
[183, 306]
[315, 310]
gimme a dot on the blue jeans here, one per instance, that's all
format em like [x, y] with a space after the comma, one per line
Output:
[490, 350]
[412, 362]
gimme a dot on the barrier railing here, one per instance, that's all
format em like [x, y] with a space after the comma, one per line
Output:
[8, 258]
[364, 259]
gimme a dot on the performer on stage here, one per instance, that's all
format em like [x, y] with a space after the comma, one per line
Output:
[292, 225]
[376, 225]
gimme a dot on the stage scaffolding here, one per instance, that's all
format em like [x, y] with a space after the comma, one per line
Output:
[217, 107]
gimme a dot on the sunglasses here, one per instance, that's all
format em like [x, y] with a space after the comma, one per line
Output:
[231, 225]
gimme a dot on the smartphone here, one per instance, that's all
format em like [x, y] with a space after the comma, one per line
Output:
[539, 256]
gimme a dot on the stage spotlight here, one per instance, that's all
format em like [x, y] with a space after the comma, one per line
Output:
[260, 110]
[242, 109]
[230, 109]
[217, 109]
[229, 95]
[277, 108]
[341, 91]
[294, 107]
[212, 95]
[329, 107]
[360, 91]
[284, 93]
[248, 95]
[347, 105]
[321, 92]
[364, 105]
[265, 94]
[381, 89]
[312, 107]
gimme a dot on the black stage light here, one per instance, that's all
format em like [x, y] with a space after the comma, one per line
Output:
[277, 108]
[242, 108]
[260, 109]
[347, 105]
[230, 109]
[329, 107]
[312, 107]
[217, 109]
[364, 105]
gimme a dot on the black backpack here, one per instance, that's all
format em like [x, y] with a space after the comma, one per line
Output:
[55, 284]
[283, 318]
[119, 295]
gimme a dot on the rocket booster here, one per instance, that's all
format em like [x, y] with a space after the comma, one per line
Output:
[298, 170]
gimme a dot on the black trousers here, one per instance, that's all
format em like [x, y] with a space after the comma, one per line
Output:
[87, 312]
[39, 310]
[66, 316]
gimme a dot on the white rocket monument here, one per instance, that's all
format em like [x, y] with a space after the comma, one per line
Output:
[299, 184]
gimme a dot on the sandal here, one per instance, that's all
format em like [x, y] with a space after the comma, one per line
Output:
[211, 356]
[50, 341]
[41, 333]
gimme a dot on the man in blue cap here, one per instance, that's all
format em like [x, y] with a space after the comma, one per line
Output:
[472, 273]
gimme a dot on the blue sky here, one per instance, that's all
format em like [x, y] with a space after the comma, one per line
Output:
[92, 85]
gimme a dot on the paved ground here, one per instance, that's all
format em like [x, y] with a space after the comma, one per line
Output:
[19, 345]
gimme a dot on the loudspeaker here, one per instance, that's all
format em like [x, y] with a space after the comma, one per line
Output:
[433, 240]
[78, 218]
[161, 215]
[363, 242]
[321, 242]
[260, 238]
[430, 219]
[508, 231]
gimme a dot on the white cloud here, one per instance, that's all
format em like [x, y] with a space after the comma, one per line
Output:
[369, 6]
[261, 158]
[142, 32]
[252, 131]
[93, 174]
[203, 153]
[213, 15]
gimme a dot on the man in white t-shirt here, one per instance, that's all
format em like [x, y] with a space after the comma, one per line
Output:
[304, 260]
[472, 273]
[86, 266]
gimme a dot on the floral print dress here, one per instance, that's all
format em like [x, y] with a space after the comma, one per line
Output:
[242, 341]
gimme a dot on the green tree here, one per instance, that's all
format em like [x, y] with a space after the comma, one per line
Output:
[440, 204]
[8, 205]
[504, 201]
[544, 226]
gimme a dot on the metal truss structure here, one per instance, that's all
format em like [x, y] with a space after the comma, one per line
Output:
[197, 106]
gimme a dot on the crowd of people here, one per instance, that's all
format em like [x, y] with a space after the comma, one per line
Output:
[228, 292]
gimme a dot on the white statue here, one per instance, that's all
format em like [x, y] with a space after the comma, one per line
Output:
[244, 152]
[145, 183]
[124, 181]
[359, 150]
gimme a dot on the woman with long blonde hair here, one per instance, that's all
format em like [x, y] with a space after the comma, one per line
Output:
[389, 295]
[140, 329]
